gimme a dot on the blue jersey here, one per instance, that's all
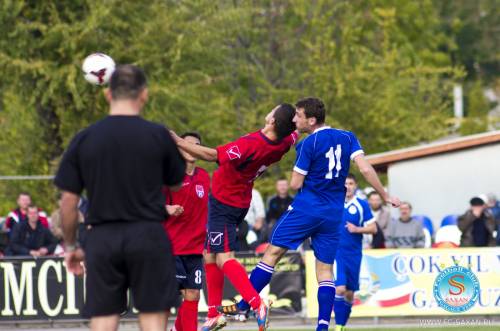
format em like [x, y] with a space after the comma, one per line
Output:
[324, 158]
[358, 212]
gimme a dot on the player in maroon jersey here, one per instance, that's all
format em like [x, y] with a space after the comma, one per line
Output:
[186, 228]
[240, 163]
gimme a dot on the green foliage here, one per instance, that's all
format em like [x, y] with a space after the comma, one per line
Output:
[472, 27]
[474, 43]
[377, 83]
[476, 119]
[382, 67]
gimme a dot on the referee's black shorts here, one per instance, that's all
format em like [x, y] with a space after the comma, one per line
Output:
[123, 255]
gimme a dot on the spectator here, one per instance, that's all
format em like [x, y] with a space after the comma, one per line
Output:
[4, 237]
[382, 217]
[241, 236]
[494, 208]
[405, 232]
[31, 237]
[19, 215]
[279, 203]
[255, 220]
[477, 225]
[55, 221]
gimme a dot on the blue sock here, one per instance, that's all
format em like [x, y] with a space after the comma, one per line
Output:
[260, 277]
[347, 311]
[339, 310]
[326, 295]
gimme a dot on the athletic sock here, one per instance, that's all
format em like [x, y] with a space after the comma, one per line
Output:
[237, 275]
[189, 316]
[215, 288]
[260, 277]
[347, 311]
[178, 320]
[339, 310]
[326, 294]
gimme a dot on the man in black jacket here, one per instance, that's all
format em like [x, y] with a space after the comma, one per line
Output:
[31, 237]
[279, 203]
[477, 225]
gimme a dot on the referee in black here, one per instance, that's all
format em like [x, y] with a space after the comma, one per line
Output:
[122, 162]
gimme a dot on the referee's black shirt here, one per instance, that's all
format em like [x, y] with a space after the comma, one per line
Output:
[122, 162]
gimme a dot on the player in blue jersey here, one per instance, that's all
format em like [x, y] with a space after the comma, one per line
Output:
[321, 167]
[357, 220]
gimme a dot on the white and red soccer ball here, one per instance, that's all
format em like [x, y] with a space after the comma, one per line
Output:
[98, 68]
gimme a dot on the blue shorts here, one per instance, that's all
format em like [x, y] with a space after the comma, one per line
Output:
[295, 226]
[189, 271]
[221, 226]
[348, 267]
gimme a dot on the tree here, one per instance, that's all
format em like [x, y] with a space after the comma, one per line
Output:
[219, 67]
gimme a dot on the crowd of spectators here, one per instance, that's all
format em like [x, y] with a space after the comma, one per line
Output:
[27, 231]
[479, 226]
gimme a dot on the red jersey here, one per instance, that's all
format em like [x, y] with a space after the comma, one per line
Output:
[187, 232]
[17, 216]
[241, 162]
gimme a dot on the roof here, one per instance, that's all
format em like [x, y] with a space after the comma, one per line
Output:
[382, 160]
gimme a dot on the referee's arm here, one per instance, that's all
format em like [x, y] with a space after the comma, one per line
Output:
[69, 217]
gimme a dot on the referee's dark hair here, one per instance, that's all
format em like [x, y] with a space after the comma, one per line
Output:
[313, 107]
[283, 120]
[191, 134]
[351, 176]
[127, 82]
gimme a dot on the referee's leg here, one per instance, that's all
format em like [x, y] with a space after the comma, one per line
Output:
[151, 271]
[104, 323]
[153, 321]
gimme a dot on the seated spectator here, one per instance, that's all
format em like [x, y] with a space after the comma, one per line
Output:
[278, 203]
[4, 237]
[31, 237]
[382, 218]
[477, 225]
[55, 221]
[494, 208]
[405, 232]
[19, 215]
[255, 220]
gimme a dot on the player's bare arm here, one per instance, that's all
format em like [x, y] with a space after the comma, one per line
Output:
[371, 177]
[369, 229]
[198, 151]
[297, 181]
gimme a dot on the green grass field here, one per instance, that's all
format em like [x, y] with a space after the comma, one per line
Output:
[388, 327]
[413, 328]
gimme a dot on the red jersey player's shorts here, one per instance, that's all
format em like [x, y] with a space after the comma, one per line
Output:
[222, 223]
[189, 271]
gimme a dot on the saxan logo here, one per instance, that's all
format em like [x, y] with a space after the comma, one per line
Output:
[456, 289]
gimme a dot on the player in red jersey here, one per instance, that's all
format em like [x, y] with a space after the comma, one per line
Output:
[240, 163]
[186, 228]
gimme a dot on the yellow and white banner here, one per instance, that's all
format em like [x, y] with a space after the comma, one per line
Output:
[398, 282]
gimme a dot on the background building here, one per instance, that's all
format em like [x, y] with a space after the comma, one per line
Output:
[440, 178]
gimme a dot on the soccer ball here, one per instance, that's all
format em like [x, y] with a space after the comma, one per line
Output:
[98, 68]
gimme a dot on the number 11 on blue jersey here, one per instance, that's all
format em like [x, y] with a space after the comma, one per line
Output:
[333, 161]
